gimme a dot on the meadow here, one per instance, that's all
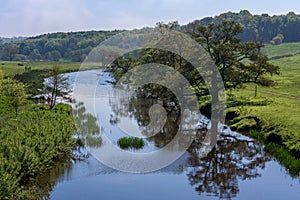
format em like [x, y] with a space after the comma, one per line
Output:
[14, 67]
[276, 107]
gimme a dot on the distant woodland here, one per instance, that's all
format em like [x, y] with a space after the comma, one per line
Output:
[75, 46]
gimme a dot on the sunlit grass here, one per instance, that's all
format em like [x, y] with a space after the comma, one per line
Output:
[283, 111]
[12, 68]
[282, 49]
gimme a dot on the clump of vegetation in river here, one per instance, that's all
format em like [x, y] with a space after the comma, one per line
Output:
[131, 143]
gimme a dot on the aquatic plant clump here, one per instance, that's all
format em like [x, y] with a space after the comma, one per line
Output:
[131, 142]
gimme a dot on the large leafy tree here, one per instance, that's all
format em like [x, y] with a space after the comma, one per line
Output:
[237, 62]
[56, 86]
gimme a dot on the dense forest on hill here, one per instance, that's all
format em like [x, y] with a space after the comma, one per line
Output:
[258, 28]
[74, 46]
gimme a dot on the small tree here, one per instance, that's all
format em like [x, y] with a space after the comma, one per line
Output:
[15, 91]
[9, 52]
[56, 86]
[277, 39]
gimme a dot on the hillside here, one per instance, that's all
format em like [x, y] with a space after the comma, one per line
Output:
[257, 28]
[74, 46]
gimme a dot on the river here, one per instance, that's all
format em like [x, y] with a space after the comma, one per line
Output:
[237, 168]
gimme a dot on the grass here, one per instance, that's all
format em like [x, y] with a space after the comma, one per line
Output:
[284, 157]
[282, 49]
[131, 143]
[13, 68]
[39, 70]
[277, 107]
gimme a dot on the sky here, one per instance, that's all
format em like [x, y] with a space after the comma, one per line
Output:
[35, 17]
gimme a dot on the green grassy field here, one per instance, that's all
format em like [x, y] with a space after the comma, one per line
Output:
[282, 49]
[34, 77]
[12, 68]
[280, 116]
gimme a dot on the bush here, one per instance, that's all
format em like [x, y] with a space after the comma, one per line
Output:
[131, 142]
[30, 144]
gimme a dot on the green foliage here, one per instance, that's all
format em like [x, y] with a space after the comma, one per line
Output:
[237, 62]
[257, 28]
[15, 92]
[131, 142]
[255, 134]
[30, 143]
[246, 101]
[34, 79]
[278, 113]
[55, 46]
[284, 157]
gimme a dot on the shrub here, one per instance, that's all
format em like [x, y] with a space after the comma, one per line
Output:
[131, 142]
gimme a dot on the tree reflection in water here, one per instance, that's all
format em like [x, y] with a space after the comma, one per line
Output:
[230, 160]
[233, 159]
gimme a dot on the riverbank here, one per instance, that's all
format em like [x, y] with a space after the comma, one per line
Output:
[274, 111]
[30, 144]
[39, 70]
[31, 141]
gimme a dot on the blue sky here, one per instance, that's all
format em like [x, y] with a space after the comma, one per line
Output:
[34, 17]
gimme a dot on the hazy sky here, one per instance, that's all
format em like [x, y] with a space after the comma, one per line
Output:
[34, 17]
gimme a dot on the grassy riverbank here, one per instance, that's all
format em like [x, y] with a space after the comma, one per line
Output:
[275, 110]
[34, 77]
[13, 68]
[37, 137]
[30, 144]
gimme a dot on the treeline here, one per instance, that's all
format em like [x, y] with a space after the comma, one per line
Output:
[75, 46]
[258, 28]
[6, 39]
[72, 46]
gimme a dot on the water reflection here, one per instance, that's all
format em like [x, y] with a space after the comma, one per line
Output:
[235, 158]
[222, 173]
[230, 161]
[89, 132]
[43, 184]
[88, 129]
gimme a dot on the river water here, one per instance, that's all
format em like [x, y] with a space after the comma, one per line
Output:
[237, 168]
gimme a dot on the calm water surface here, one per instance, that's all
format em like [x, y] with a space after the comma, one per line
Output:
[237, 168]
